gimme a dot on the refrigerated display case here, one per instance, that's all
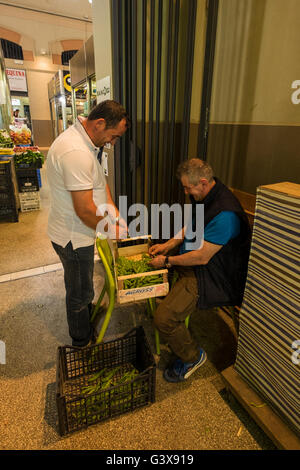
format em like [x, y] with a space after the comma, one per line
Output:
[60, 100]
[80, 99]
[84, 97]
[83, 79]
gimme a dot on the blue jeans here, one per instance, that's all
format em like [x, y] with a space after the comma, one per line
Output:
[78, 275]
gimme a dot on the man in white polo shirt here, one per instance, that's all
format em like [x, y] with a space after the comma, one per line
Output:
[77, 187]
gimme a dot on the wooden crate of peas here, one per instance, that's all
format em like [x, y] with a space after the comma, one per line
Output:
[135, 278]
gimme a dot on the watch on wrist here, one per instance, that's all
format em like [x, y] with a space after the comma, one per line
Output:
[167, 264]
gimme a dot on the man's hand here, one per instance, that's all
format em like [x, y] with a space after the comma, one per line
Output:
[158, 262]
[115, 231]
[158, 249]
[123, 226]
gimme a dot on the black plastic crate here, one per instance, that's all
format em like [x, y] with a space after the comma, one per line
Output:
[9, 212]
[85, 395]
[5, 183]
[5, 169]
[27, 179]
[7, 199]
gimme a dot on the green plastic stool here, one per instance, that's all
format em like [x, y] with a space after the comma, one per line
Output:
[151, 306]
[106, 257]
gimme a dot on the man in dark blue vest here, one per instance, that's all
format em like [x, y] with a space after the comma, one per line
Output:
[210, 276]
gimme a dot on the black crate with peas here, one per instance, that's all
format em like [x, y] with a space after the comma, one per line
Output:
[104, 381]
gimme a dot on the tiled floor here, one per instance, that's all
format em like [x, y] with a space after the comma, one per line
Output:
[196, 414]
[33, 272]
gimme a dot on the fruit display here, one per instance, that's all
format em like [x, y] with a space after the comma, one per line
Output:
[5, 139]
[21, 149]
[20, 135]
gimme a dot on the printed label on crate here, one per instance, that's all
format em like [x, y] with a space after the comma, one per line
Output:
[144, 292]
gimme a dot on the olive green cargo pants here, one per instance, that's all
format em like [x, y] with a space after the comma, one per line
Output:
[170, 315]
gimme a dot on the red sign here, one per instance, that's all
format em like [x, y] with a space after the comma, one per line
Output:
[17, 80]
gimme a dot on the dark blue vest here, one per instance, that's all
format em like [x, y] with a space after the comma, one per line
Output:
[222, 280]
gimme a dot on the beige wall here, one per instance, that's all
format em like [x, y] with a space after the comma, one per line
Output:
[254, 125]
[200, 34]
[257, 59]
[46, 31]
[37, 84]
[102, 38]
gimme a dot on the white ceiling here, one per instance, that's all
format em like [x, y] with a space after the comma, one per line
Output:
[71, 8]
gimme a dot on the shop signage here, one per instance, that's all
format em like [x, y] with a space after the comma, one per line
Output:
[103, 89]
[67, 81]
[17, 80]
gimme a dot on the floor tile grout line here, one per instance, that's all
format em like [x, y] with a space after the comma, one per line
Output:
[30, 272]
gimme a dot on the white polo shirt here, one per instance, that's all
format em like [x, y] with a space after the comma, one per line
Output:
[72, 165]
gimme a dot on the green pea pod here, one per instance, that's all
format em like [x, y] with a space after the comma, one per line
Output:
[96, 376]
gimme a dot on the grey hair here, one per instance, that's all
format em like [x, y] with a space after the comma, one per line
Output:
[195, 169]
